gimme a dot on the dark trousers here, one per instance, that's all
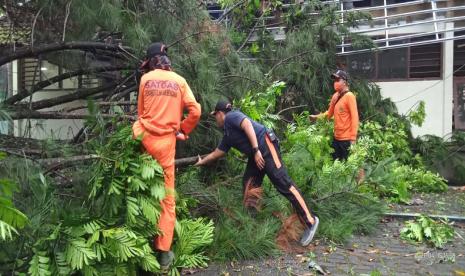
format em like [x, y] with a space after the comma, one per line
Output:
[341, 149]
[277, 173]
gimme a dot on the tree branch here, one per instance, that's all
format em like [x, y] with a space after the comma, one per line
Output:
[289, 108]
[77, 45]
[286, 59]
[223, 16]
[78, 95]
[59, 163]
[101, 104]
[40, 85]
[181, 162]
[32, 114]
[53, 164]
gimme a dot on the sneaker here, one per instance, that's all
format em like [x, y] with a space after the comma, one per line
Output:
[308, 234]
[165, 258]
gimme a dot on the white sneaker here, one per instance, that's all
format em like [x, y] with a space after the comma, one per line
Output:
[308, 234]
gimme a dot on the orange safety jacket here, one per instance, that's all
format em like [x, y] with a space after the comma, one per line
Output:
[345, 115]
[163, 96]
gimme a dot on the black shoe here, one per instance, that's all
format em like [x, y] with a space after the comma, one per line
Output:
[308, 234]
[165, 258]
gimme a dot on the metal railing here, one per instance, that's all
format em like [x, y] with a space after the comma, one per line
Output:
[395, 26]
[392, 29]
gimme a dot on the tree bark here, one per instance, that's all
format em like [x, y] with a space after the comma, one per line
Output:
[78, 95]
[40, 85]
[182, 162]
[60, 163]
[32, 114]
[101, 104]
[77, 45]
[52, 164]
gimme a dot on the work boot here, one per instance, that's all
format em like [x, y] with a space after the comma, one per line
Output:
[308, 234]
[165, 259]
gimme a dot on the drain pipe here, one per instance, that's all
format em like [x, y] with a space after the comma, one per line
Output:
[417, 215]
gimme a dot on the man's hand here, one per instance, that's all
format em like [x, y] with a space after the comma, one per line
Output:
[313, 118]
[259, 160]
[199, 162]
[181, 136]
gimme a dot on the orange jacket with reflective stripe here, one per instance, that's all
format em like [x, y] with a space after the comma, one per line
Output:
[345, 116]
[163, 96]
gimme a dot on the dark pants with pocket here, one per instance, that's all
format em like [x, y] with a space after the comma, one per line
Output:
[277, 173]
[341, 149]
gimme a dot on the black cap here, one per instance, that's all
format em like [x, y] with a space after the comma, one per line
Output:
[156, 48]
[340, 74]
[222, 105]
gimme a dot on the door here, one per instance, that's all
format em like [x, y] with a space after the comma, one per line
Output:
[459, 104]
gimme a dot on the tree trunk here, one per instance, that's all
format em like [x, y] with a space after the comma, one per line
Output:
[32, 114]
[40, 85]
[78, 95]
[78, 45]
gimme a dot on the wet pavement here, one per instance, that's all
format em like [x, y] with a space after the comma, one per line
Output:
[381, 253]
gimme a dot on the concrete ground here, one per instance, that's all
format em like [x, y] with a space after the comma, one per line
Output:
[381, 253]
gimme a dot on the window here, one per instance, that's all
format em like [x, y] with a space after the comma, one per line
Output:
[459, 57]
[34, 71]
[415, 62]
[425, 61]
[363, 64]
[3, 82]
[392, 64]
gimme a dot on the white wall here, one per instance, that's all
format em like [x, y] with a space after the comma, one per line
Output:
[406, 94]
[62, 129]
[437, 95]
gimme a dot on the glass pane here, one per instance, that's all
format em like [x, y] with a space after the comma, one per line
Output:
[425, 61]
[362, 65]
[459, 106]
[392, 64]
[47, 71]
[71, 83]
[3, 82]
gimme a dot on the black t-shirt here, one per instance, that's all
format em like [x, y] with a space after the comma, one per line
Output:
[234, 135]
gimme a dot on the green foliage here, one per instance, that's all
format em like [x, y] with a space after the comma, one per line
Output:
[444, 155]
[39, 265]
[417, 116]
[425, 229]
[388, 140]
[103, 226]
[237, 235]
[327, 183]
[193, 237]
[107, 231]
[390, 179]
[260, 106]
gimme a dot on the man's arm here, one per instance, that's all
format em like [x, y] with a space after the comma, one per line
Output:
[193, 117]
[247, 127]
[353, 118]
[327, 114]
[214, 155]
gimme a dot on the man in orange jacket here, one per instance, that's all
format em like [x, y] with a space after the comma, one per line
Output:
[163, 96]
[343, 107]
